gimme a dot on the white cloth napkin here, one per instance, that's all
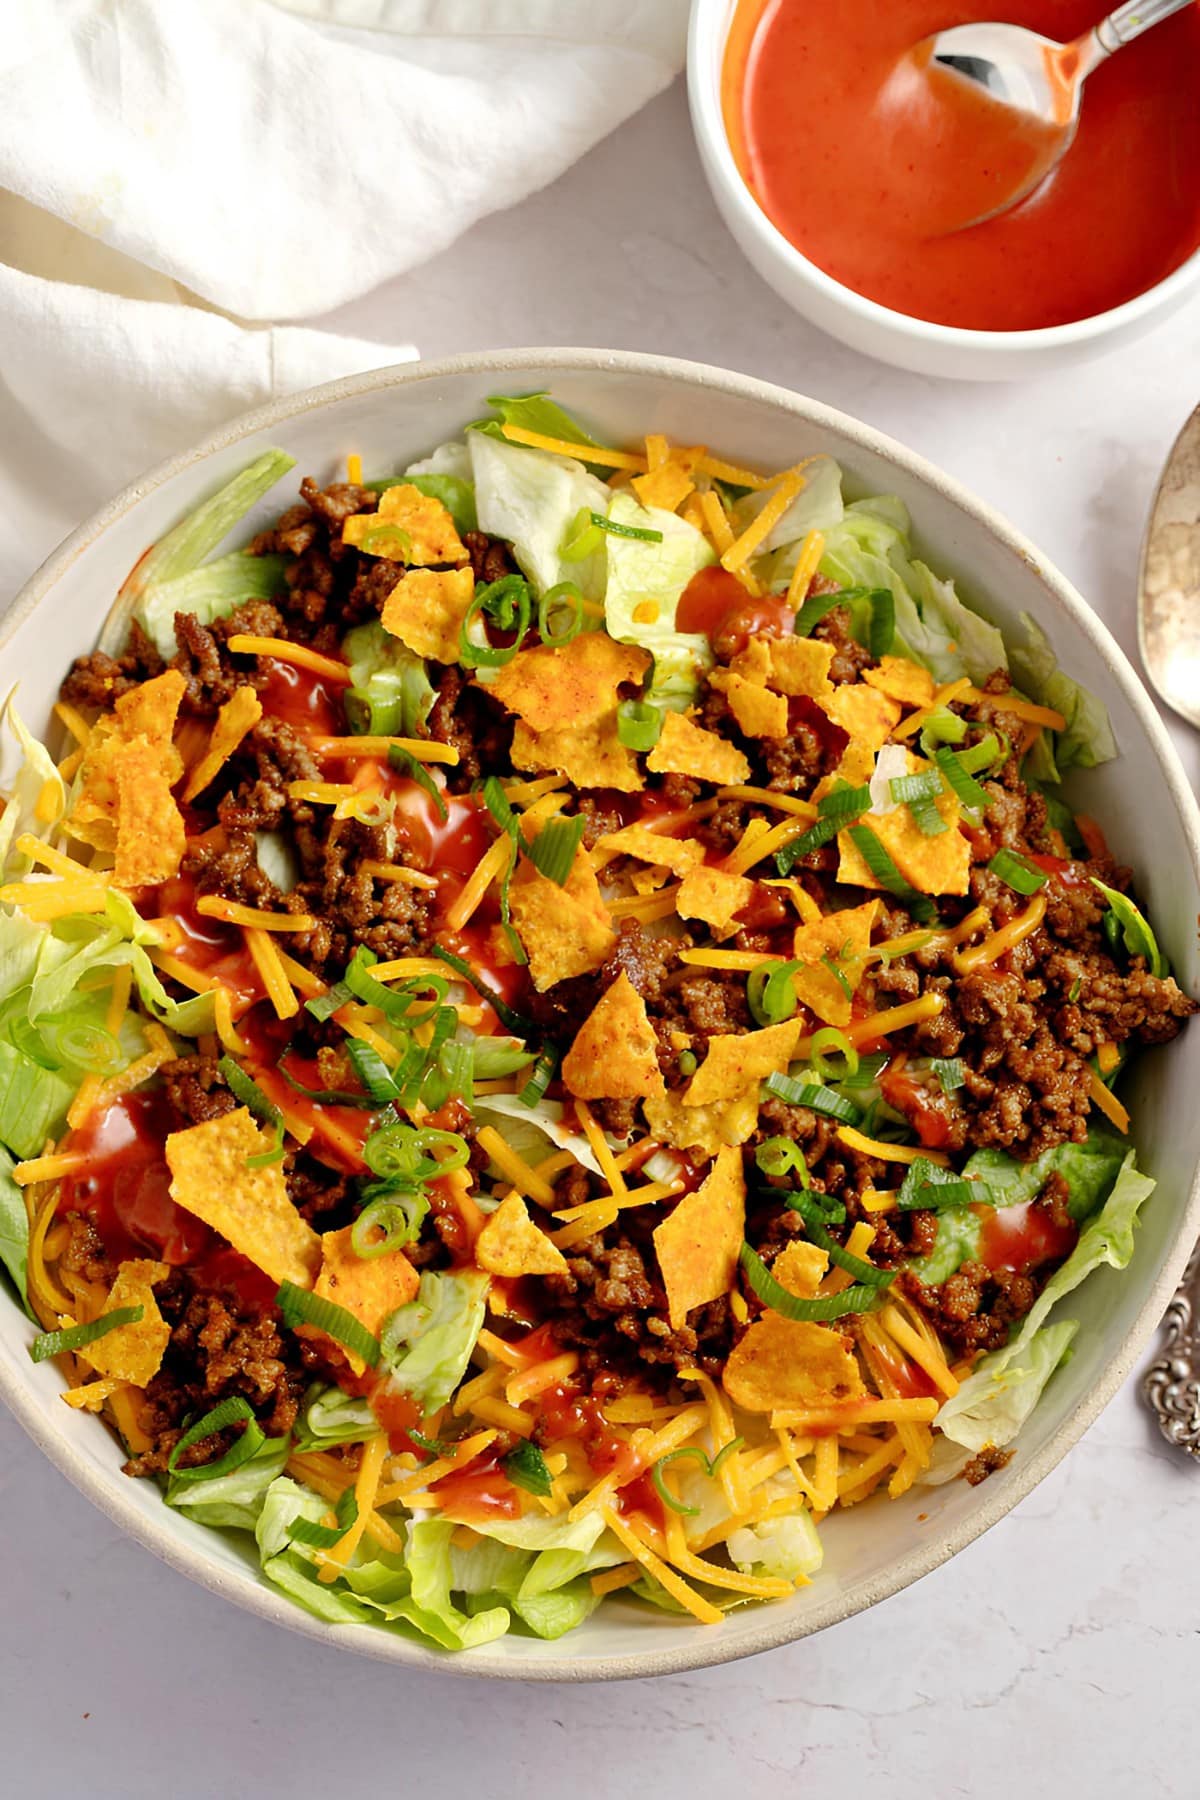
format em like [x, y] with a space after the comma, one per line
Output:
[188, 179]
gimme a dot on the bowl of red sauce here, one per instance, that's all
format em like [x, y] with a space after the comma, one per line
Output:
[845, 169]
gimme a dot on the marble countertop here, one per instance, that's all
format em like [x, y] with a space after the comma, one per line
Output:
[1062, 1646]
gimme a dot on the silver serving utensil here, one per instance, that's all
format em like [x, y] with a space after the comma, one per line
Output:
[1169, 638]
[1022, 69]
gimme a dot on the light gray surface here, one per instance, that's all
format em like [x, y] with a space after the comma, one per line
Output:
[1063, 1645]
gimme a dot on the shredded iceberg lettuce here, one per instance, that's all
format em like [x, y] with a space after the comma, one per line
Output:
[38, 797]
[533, 499]
[428, 1342]
[645, 581]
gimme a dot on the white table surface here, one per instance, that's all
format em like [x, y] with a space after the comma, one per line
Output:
[1063, 1646]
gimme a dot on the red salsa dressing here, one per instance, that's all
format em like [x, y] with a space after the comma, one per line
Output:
[1022, 1237]
[869, 163]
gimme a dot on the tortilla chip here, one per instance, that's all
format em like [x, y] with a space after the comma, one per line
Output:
[902, 680]
[240, 713]
[932, 865]
[801, 666]
[133, 1352]
[590, 755]
[249, 1208]
[409, 527]
[150, 834]
[699, 1244]
[864, 712]
[426, 608]
[737, 1062]
[759, 712]
[511, 1245]
[791, 1363]
[568, 685]
[146, 716]
[843, 937]
[613, 1056]
[800, 1267]
[667, 486]
[565, 930]
[700, 1130]
[370, 1287]
[685, 748]
[654, 847]
[713, 895]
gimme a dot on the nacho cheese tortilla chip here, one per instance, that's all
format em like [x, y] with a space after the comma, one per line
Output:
[426, 609]
[713, 895]
[409, 527]
[902, 680]
[613, 1056]
[568, 685]
[844, 938]
[685, 748]
[150, 833]
[737, 1062]
[565, 930]
[782, 1363]
[135, 736]
[757, 711]
[248, 1207]
[864, 712]
[699, 1244]
[932, 865]
[701, 1130]
[794, 666]
[370, 1287]
[132, 1352]
[240, 713]
[590, 755]
[654, 847]
[511, 1245]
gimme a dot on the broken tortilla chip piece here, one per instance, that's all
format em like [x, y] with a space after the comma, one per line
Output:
[933, 865]
[511, 1245]
[800, 1268]
[613, 1056]
[840, 939]
[713, 895]
[902, 680]
[132, 1352]
[590, 755]
[782, 1363]
[150, 711]
[567, 685]
[143, 717]
[654, 847]
[864, 712]
[426, 609]
[150, 833]
[565, 930]
[666, 486]
[409, 527]
[700, 1130]
[758, 712]
[240, 713]
[797, 666]
[699, 1244]
[249, 1208]
[685, 748]
[737, 1061]
[370, 1287]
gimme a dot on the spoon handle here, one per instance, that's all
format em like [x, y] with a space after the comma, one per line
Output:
[1171, 1386]
[1129, 21]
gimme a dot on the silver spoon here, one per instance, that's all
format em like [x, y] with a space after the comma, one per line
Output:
[1169, 639]
[1034, 74]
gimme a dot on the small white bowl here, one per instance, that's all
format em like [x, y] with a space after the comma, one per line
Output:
[864, 324]
[393, 416]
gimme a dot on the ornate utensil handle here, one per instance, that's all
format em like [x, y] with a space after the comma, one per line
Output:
[1171, 1386]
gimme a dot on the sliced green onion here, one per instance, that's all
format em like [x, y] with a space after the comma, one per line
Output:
[405, 763]
[836, 810]
[710, 1465]
[814, 1224]
[540, 1077]
[78, 1337]
[372, 1071]
[844, 802]
[553, 850]
[781, 1156]
[324, 1537]
[429, 1446]
[881, 632]
[512, 1021]
[299, 1307]
[830, 1038]
[1076, 986]
[265, 1158]
[326, 1096]
[816, 1098]
[814, 610]
[1135, 931]
[583, 539]
[234, 1411]
[1017, 872]
[927, 1187]
[867, 1072]
[814, 838]
[80, 1041]
[405, 1153]
[639, 724]
[395, 1003]
[611, 526]
[507, 603]
[456, 1065]
[325, 1005]
[990, 749]
[526, 1468]
[821, 1307]
[566, 598]
[247, 1091]
[918, 793]
[771, 992]
[386, 536]
[960, 780]
[397, 1215]
[942, 727]
[838, 973]
[879, 861]
[950, 1071]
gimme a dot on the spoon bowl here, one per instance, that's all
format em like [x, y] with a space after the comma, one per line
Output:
[1169, 582]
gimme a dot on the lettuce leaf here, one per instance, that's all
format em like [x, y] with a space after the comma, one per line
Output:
[391, 686]
[817, 507]
[787, 1547]
[1089, 1169]
[33, 1101]
[993, 1402]
[451, 458]
[533, 412]
[1087, 738]
[210, 592]
[329, 1417]
[435, 1335]
[533, 498]
[528, 1129]
[14, 1229]
[430, 1608]
[26, 810]
[641, 572]
[235, 1500]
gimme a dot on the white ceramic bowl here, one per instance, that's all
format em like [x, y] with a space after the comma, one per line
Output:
[877, 330]
[394, 415]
